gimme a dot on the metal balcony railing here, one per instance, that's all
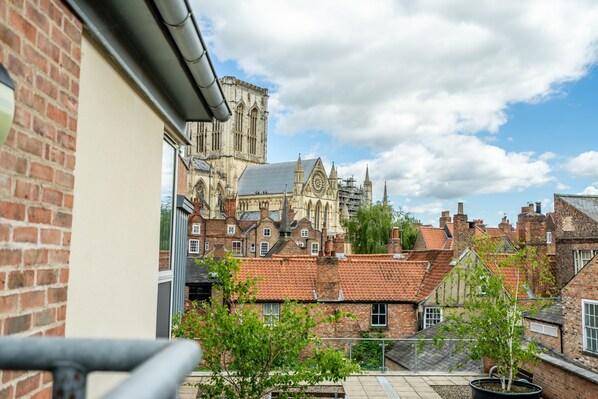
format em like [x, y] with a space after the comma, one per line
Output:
[157, 367]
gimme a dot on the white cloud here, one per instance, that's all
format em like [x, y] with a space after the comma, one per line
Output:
[584, 165]
[449, 167]
[414, 80]
[433, 208]
[590, 190]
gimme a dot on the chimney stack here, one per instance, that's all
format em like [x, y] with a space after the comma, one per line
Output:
[264, 210]
[230, 207]
[394, 243]
[327, 278]
[538, 207]
[445, 217]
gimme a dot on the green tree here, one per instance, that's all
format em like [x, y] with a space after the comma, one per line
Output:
[248, 358]
[491, 323]
[407, 225]
[370, 228]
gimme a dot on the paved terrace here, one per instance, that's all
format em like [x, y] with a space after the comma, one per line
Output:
[390, 385]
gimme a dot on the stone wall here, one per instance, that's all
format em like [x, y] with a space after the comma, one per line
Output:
[41, 49]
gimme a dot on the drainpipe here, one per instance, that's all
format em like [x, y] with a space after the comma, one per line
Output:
[178, 18]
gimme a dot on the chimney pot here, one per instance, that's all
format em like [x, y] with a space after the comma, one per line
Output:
[460, 208]
[538, 207]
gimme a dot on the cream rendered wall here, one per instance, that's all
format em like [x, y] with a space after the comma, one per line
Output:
[114, 250]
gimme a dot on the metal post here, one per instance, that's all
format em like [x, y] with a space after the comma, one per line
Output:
[415, 365]
[350, 350]
[383, 368]
[69, 381]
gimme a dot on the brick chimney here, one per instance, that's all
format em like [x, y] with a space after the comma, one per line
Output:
[394, 243]
[328, 248]
[327, 278]
[461, 233]
[197, 207]
[445, 217]
[505, 225]
[338, 244]
[264, 210]
[531, 225]
[230, 207]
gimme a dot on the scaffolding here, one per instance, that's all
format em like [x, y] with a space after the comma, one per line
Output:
[351, 195]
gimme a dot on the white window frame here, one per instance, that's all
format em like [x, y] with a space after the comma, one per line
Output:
[193, 246]
[230, 229]
[543, 329]
[304, 233]
[593, 329]
[266, 245]
[430, 318]
[252, 248]
[549, 237]
[196, 228]
[240, 245]
[378, 314]
[271, 313]
[315, 248]
[206, 246]
[577, 258]
[267, 232]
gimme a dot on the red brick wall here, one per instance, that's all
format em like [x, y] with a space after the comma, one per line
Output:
[559, 384]
[583, 286]
[573, 231]
[553, 342]
[41, 49]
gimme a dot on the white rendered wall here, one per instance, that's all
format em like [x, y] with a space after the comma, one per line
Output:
[115, 236]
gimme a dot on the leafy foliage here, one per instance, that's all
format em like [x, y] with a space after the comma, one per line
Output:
[248, 358]
[368, 354]
[370, 228]
[491, 323]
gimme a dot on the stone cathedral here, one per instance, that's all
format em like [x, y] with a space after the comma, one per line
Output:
[227, 164]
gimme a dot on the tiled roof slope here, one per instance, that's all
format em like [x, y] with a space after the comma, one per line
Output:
[374, 280]
[440, 267]
[587, 204]
[429, 357]
[434, 237]
[551, 314]
[513, 276]
[272, 178]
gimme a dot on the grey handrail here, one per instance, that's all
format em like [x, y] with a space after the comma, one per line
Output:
[157, 366]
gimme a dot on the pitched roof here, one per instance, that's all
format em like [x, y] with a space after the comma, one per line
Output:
[429, 357]
[435, 237]
[514, 276]
[587, 204]
[374, 280]
[272, 178]
[551, 314]
[440, 267]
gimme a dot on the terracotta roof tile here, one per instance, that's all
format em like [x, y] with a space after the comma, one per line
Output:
[440, 267]
[514, 276]
[366, 280]
[434, 237]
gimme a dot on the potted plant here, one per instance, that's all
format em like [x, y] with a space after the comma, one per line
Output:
[488, 321]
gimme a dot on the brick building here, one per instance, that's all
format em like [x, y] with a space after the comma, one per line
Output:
[458, 234]
[96, 113]
[385, 292]
[575, 233]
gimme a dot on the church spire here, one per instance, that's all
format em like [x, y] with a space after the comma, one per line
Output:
[299, 176]
[367, 186]
[285, 226]
[385, 198]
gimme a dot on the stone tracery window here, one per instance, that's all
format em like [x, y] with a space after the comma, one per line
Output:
[216, 135]
[239, 127]
[253, 132]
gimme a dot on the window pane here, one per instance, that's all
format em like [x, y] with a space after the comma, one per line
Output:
[166, 205]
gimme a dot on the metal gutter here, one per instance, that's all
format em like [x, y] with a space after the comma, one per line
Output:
[179, 19]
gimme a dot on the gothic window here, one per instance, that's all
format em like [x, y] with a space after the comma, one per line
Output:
[200, 190]
[326, 211]
[308, 216]
[216, 136]
[317, 216]
[201, 137]
[239, 128]
[253, 131]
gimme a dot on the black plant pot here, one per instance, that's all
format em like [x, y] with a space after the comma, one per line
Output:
[481, 393]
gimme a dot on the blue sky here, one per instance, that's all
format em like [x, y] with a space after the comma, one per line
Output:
[493, 106]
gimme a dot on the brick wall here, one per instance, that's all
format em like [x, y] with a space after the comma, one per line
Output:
[548, 340]
[41, 49]
[583, 286]
[558, 383]
[573, 231]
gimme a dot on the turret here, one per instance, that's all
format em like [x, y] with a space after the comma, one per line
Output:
[333, 180]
